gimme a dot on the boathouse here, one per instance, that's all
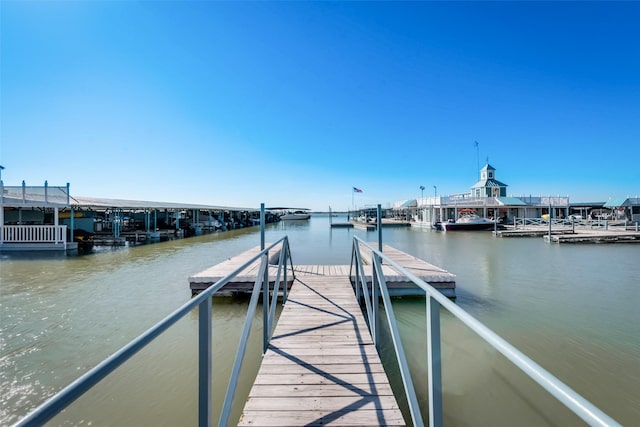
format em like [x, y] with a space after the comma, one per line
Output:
[49, 218]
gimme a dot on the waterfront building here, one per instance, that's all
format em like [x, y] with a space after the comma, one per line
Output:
[487, 198]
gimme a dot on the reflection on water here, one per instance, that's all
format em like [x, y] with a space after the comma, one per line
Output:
[572, 308]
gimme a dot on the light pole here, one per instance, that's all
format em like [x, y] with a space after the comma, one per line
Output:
[420, 214]
[435, 191]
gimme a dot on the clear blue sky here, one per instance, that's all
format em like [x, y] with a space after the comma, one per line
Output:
[294, 103]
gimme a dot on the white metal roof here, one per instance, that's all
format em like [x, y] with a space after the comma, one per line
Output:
[103, 203]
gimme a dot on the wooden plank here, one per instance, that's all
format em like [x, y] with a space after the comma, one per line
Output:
[322, 403]
[319, 418]
[290, 367]
[311, 378]
[329, 390]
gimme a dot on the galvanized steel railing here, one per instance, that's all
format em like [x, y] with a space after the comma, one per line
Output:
[434, 300]
[203, 301]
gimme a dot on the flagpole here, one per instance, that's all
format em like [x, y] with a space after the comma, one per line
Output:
[353, 206]
[478, 158]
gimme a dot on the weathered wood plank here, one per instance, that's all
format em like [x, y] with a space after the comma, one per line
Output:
[281, 366]
[319, 418]
[322, 403]
[328, 390]
[311, 378]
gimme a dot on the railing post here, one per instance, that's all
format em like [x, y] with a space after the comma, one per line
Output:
[261, 226]
[265, 287]
[374, 300]
[285, 249]
[265, 304]
[434, 362]
[204, 363]
[357, 272]
[379, 228]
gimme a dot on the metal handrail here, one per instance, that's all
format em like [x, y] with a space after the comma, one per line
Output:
[203, 301]
[434, 300]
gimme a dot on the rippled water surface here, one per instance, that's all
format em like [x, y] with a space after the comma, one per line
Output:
[574, 309]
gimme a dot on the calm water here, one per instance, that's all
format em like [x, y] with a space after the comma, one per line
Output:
[573, 309]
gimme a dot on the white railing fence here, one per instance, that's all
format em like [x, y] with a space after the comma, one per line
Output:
[34, 234]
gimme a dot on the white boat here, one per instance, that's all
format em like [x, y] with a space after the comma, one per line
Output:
[468, 221]
[295, 215]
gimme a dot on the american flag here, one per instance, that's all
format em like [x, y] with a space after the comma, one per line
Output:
[357, 190]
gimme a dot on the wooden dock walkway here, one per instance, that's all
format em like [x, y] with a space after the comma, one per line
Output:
[321, 366]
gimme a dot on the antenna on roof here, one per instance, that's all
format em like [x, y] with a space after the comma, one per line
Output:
[477, 157]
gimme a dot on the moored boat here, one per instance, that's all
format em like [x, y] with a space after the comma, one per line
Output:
[468, 221]
[295, 215]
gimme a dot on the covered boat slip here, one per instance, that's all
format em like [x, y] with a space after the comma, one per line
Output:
[398, 284]
[49, 218]
[115, 216]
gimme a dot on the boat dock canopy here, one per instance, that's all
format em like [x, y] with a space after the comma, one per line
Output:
[625, 201]
[102, 203]
[279, 208]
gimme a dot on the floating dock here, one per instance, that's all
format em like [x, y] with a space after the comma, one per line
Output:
[321, 367]
[370, 226]
[576, 234]
[397, 283]
[598, 237]
[531, 232]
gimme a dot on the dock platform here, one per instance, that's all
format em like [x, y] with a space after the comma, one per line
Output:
[370, 226]
[321, 367]
[240, 284]
[398, 284]
[576, 235]
[595, 237]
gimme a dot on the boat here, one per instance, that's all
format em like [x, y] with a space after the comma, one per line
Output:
[468, 221]
[295, 215]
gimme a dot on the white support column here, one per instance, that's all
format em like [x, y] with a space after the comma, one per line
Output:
[1, 219]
